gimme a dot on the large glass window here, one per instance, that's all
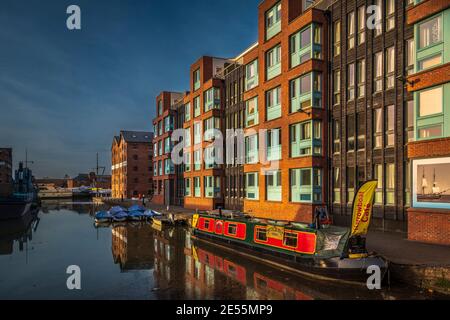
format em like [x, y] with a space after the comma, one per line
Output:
[251, 112]
[390, 125]
[410, 56]
[378, 176]
[336, 136]
[305, 44]
[390, 68]
[336, 87]
[197, 160]
[273, 142]
[211, 99]
[306, 91]
[273, 21]
[306, 138]
[273, 186]
[361, 78]
[351, 30]
[430, 102]
[273, 104]
[390, 14]
[187, 187]
[273, 62]
[361, 129]
[212, 186]
[187, 112]
[430, 119]
[251, 149]
[351, 82]
[378, 72]
[196, 79]
[361, 25]
[252, 185]
[430, 32]
[336, 185]
[197, 187]
[196, 106]
[197, 132]
[251, 75]
[306, 185]
[377, 128]
[378, 18]
[337, 38]
[350, 133]
[390, 183]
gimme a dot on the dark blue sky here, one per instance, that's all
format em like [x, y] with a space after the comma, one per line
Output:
[65, 94]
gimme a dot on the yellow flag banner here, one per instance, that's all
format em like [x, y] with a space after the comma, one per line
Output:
[194, 221]
[362, 208]
[275, 232]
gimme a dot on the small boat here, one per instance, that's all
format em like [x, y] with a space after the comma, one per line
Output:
[327, 252]
[135, 215]
[117, 209]
[103, 216]
[120, 216]
[148, 214]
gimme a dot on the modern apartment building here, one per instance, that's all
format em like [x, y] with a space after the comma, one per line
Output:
[370, 108]
[333, 94]
[204, 113]
[132, 171]
[429, 153]
[6, 180]
[163, 167]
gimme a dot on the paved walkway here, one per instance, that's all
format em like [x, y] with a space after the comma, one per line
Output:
[396, 248]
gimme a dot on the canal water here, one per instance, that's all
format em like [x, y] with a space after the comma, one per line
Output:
[136, 261]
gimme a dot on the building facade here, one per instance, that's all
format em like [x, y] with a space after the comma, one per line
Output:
[163, 168]
[6, 180]
[429, 152]
[204, 113]
[132, 170]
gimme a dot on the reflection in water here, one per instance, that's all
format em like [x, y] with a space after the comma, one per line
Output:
[137, 261]
[20, 230]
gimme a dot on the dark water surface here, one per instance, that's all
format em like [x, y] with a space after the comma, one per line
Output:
[136, 261]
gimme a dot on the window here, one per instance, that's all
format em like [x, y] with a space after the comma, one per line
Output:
[273, 185]
[350, 133]
[273, 143]
[197, 191]
[290, 239]
[378, 18]
[160, 168]
[306, 185]
[232, 229]
[211, 99]
[351, 184]
[212, 187]
[390, 14]
[273, 21]
[160, 108]
[306, 91]
[390, 126]
[187, 161]
[351, 30]
[197, 132]
[252, 186]
[160, 128]
[390, 67]
[306, 138]
[187, 137]
[430, 32]
[160, 147]
[251, 112]
[196, 106]
[410, 56]
[430, 113]
[251, 75]
[378, 71]
[196, 79]
[251, 149]
[361, 78]
[187, 187]
[209, 125]
[361, 129]
[337, 38]
[305, 44]
[430, 102]
[197, 160]
[351, 82]
[273, 62]
[390, 184]
[430, 62]
[378, 176]
[261, 234]
[210, 158]
[168, 167]
[167, 145]
[361, 25]
[377, 128]
[336, 137]
[336, 185]
[336, 87]
[407, 173]
[409, 116]
[273, 104]
[168, 124]
[187, 112]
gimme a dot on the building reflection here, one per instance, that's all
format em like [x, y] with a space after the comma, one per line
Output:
[20, 230]
[132, 247]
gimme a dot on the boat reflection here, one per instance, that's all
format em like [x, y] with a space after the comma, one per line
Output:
[20, 230]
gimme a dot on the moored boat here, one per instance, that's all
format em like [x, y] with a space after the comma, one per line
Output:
[329, 252]
[103, 216]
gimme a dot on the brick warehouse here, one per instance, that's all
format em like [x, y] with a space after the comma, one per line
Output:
[317, 71]
[131, 158]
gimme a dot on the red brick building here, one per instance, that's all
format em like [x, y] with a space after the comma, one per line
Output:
[132, 170]
[163, 168]
[6, 181]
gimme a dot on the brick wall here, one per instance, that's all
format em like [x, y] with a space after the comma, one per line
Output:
[429, 225]
[426, 9]
[429, 148]
[428, 78]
